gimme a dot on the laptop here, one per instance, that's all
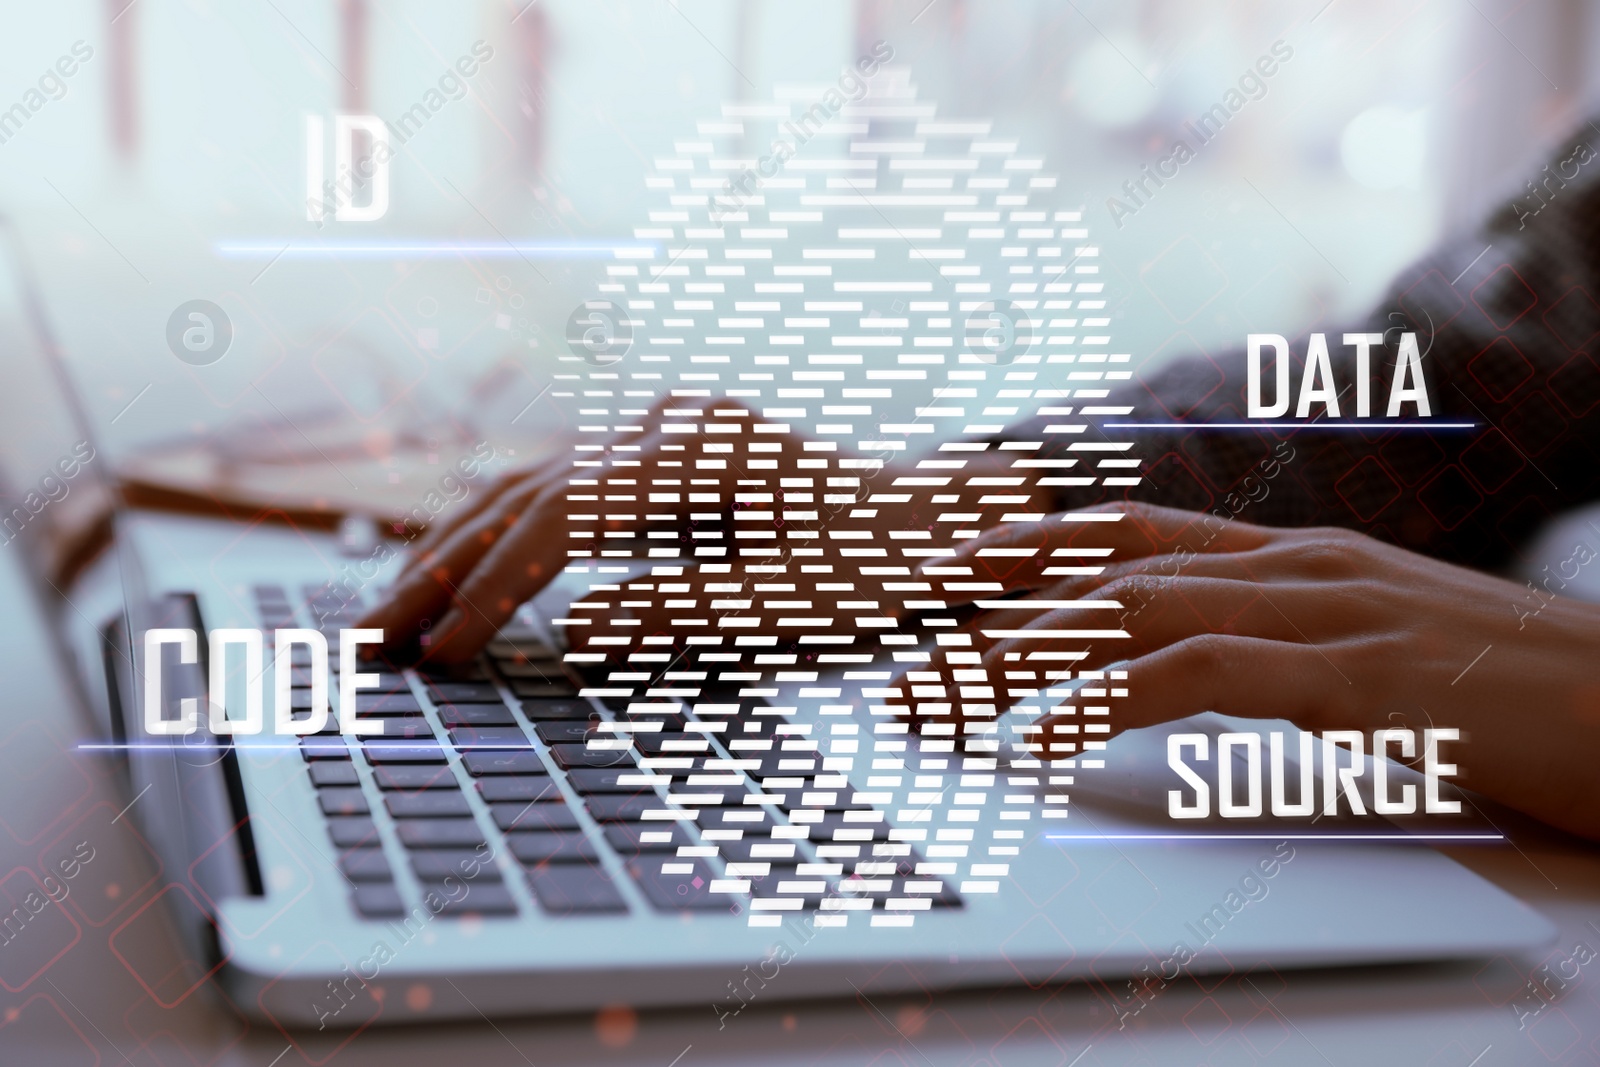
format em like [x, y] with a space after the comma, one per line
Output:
[510, 842]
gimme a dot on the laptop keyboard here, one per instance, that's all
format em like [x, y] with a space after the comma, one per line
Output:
[704, 801]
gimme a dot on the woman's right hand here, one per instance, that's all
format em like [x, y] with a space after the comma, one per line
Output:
[469, 574]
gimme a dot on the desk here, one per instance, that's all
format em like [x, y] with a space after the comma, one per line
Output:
[86, 1005]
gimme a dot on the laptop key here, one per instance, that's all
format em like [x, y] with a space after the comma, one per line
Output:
[407, 728]
[586, 780]
[386, 704]
[941, 889]
[673, 884]
[666, 721]
[378, 901]
[549, 847]
[541, 670]
[766, 885]
[429, 804]
[476, 715]
[575, 889]
[570, 731]
[784, 765]
[758, 729]
[510, 738]
[386, 751]
[750, 818]
[503, 761]
[343, 801]
[414, 776]
[324, 748]
[587, 756]
[636, 838]
[526, 788]
[553, 710]
[472, 671]
[439, 833]
[534, 817]
[639, 807]
[366, 865]
[670, 743]
[342, 773]
[759, 849]
[435, 865]
[351, 831]
[834, 800]
[444, 692]
[941, 892]
[787, 881]
[480, 898]
[538, 689]
[387, 682]
[839, 826]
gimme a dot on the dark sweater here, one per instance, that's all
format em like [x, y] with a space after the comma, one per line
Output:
[1514, 348]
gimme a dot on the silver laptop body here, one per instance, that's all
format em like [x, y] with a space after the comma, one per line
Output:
[324, 881]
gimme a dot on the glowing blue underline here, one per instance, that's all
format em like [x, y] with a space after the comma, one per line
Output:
[1276, 837]
[540, 249]
[1289, 425]
[373, 741]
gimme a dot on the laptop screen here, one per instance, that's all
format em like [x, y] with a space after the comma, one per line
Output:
[55, 486]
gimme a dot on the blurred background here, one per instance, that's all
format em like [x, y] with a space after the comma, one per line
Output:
[170, 165]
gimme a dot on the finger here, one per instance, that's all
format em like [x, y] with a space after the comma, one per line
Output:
[1077, 619]
[1142, 582]
[969, 638]
[951, 682]
[438, 578]
[518, 487]
[1145, 528]
[405, 611]
[423, 592]
[1152, 613]
[515, 567]
[465, 542]
[1249, 677]
[1000, 559]
[435, 534]
[1030, 643]
[1089, 577]
[1008, 653]
[1136, 584]
[1080, 539]
[519, 564]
